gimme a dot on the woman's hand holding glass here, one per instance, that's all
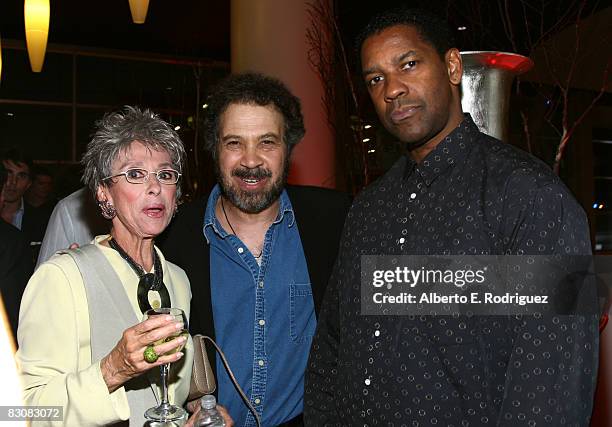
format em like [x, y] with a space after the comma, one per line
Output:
[166, 411]
[126, 360]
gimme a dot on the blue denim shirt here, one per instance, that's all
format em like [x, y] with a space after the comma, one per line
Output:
[264, 317]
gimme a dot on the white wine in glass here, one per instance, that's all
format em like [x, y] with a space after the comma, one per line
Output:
[166, 411]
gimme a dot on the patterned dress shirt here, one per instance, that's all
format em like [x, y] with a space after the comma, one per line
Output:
[471, 195]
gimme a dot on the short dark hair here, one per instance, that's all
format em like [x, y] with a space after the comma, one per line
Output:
[17, 156]
[253, 89]
[38, 170]
[432, 29]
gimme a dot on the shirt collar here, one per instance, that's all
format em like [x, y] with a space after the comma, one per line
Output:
[18, 215]
[453, 149]
[212, 223]
[285, 208]
[210, 219]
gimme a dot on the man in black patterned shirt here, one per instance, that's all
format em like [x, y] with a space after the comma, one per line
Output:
[457, 191]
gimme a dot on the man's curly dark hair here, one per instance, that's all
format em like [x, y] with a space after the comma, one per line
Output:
[253, 89]
[431, 28]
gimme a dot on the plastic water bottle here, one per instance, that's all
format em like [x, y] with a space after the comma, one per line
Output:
[209, 416]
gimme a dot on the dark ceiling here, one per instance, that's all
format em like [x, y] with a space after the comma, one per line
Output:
[192, 28]
[201, 28]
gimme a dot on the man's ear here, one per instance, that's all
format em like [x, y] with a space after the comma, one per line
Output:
[454, 66]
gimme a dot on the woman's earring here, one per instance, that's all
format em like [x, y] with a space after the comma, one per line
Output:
[175, 210]
[107, 209]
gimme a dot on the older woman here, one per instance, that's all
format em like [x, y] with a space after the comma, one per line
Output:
[82, 344]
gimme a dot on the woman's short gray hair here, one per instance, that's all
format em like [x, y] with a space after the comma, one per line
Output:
[114, 134]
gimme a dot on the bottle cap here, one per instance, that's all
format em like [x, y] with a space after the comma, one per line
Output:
[208, 401]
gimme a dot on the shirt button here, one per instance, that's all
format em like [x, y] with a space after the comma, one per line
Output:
[376, 333]
[412, 196]
[402, 240]
[261, 284]
[257, 401]
[262, 322]
[261, 363]
[240, 250]
[367, 381]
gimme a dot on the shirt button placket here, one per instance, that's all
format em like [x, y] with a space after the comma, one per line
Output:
[260, 376]
[260, 368]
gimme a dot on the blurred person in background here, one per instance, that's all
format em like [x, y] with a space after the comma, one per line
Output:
[16, 211]
[75, 219]
[40, 194]
[15, 264]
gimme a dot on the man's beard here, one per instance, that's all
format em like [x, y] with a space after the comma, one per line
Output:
[252, 201]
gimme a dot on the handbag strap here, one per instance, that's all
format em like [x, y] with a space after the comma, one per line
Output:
[226, 365]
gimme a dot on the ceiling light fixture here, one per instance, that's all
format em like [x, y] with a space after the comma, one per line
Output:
[36, 14]
[139, 8]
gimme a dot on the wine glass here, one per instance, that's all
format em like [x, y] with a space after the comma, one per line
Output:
[165, 411]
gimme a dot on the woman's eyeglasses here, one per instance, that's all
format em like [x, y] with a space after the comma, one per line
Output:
[140, 176]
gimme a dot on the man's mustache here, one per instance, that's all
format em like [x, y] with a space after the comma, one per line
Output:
[255, 173]
[400, 102]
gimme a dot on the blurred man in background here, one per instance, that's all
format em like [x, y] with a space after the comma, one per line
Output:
[15, 263]
[74, 219]
[40, 194]
[16, 211]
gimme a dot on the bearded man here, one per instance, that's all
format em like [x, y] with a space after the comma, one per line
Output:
[258, 253]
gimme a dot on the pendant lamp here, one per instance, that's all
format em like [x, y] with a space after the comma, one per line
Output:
[139, 10]
[36, 13]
